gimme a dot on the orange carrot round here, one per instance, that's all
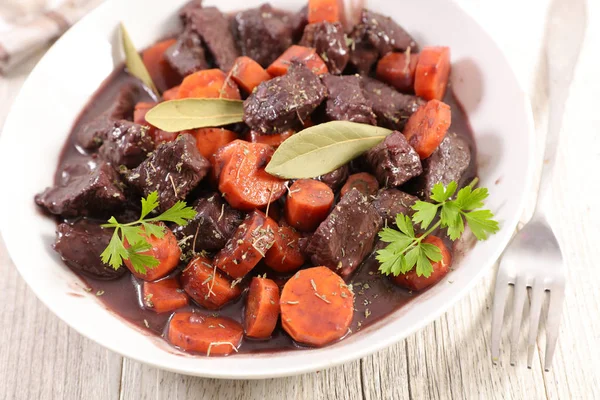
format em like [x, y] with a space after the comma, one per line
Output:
[364, 182]
[285, 255]
[198, 333]
[306, 55]
[248, 74]
[324, 11]
[426, 128]
[164, 295]
[161, 72]
[316, 306]
[272, 140]
[203, 282]
[210, 140]
[398, 70]
[166, 250]
[433, 70]
[308, 204]
[171, 94]
[243, 180]
[412, 281]
[209, 84]
[262, 308]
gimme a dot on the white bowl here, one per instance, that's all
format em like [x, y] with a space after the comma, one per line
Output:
[62, 83]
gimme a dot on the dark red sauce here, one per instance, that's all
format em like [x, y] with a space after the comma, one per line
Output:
[375, 295]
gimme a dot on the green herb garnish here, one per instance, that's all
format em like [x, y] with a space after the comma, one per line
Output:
[407, 250]
[137, 232]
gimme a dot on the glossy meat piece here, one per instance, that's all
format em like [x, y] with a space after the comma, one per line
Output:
[213, 226]
[173, 170]
[123, 105]
[80, 245]
[385, 34]
[448, 163]
[391, 202]
[284, 102]
[393, 161]
[346, 237]
[263, 33]
[298, 22]
[127, 144]
[97, 192]
[187, 56]
[187, 10]
[391, 107]
[213, 28]
[346, 100]
[330, 42]
[336, 178]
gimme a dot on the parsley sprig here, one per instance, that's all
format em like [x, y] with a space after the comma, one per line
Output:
[137, 232]
[406, 250]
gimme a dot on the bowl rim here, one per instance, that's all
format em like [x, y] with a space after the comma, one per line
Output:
[317, 363]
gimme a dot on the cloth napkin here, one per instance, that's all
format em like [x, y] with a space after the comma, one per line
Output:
[26, 26]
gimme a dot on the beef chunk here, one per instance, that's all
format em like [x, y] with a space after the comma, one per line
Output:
[91, 135]
[346, 237]
[97, 192]
[363, 55]
[391, 107]
[384, 34]
[336, 178]
[80, 245]
[394, 161]
[330, 42]
[213, 28]
[346, 100]
[213, 226]
[126, 144]
[264, 33]
[187, 56]
[187, 10]
[298, 22]
[173, 170]
[448, 163]
[284, 102]
[391, 202]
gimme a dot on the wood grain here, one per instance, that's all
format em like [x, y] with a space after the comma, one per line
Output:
[40, 357]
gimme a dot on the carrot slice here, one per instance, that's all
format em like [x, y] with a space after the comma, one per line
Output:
[247, 246]
[243, 180]
[206, 285]
[306, 55]
[210, 140]
[161, 72]
[166, 250]
[398, 69]
[164, 295]
[433, 70]
[426, 128]
[210, 84]
[272, 140]
[262, 308]
[411, 281]
[248, 74]
[308, 204]
[316, 306]
[285, 255]
[171, 94]
[198, 333]
[139, 117]
[364, 182]
[324, 11]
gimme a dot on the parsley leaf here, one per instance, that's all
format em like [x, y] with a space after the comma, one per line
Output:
[406, 251]
[130, 240]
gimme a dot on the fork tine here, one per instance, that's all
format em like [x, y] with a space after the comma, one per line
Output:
[517, 311]
[537, 297]
[557, 295]
[500, 295]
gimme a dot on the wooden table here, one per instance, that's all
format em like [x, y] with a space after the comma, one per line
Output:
[42, 358]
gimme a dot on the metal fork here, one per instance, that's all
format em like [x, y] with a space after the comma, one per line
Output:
[533, 259]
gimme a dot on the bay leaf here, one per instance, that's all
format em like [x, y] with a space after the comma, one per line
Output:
[179, 115]
[134, 63]
[323, 148]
